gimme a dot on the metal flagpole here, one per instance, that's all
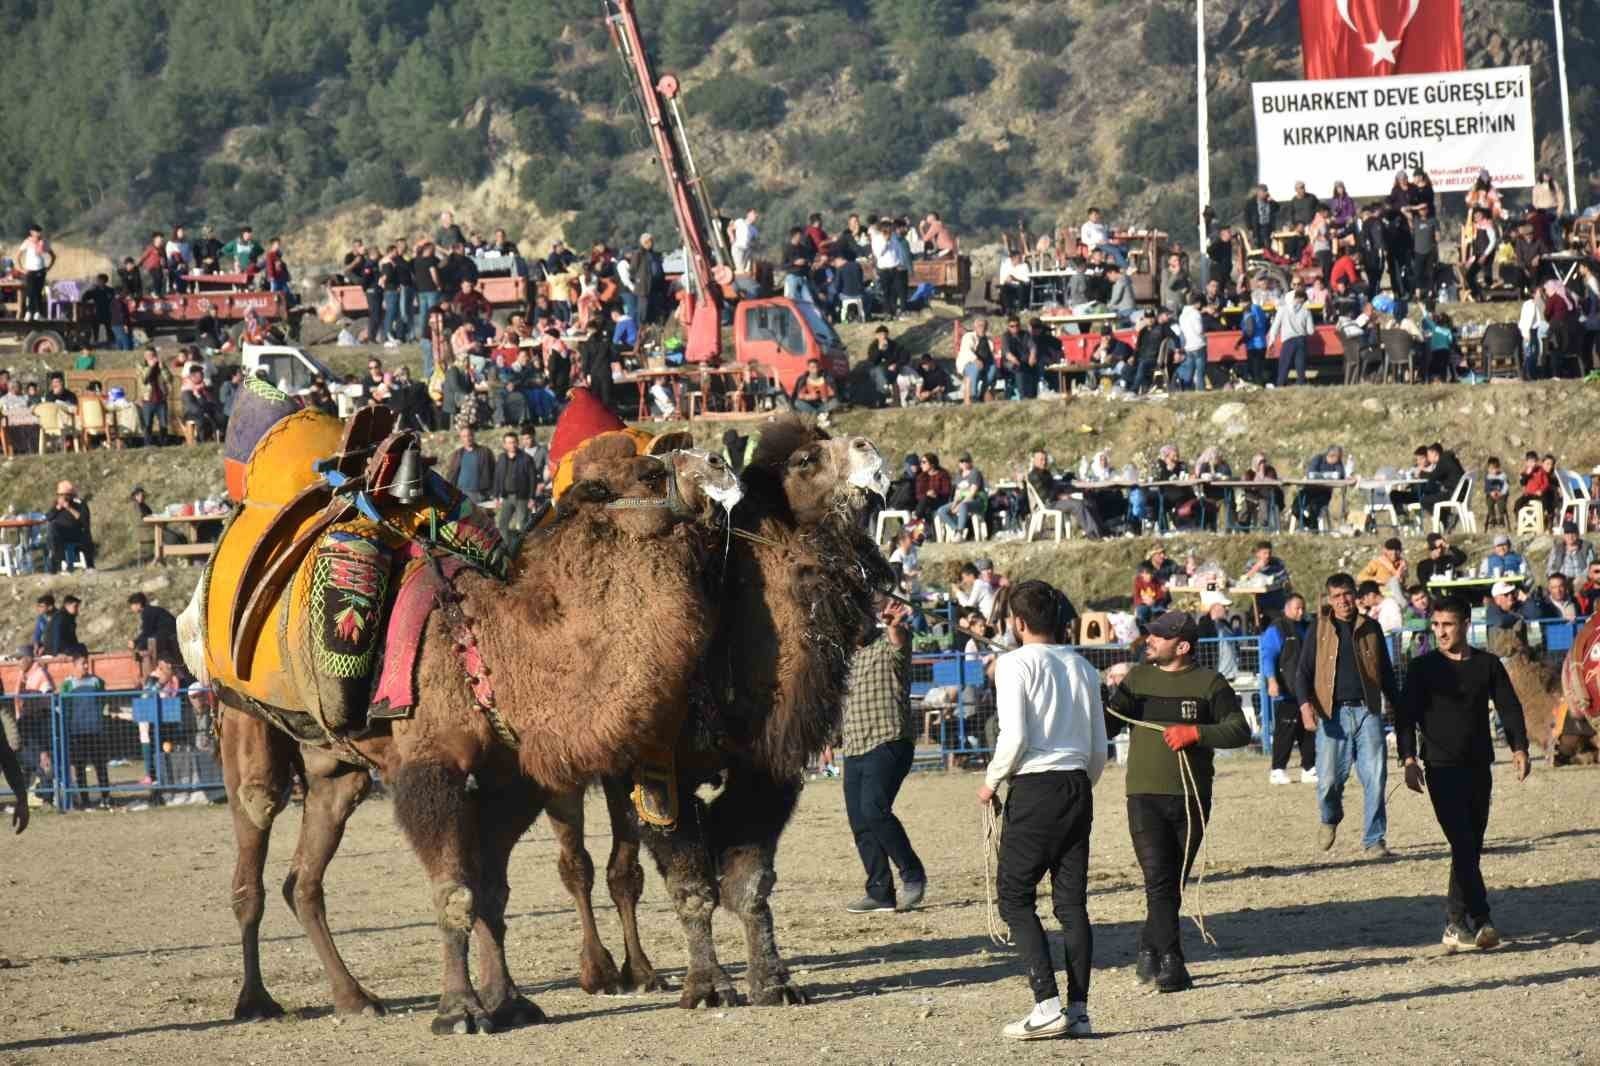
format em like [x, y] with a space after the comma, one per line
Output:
[1202, 135]
[1566, 111]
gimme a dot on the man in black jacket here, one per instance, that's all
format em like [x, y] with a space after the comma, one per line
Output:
[470, 467]
[1280, 647]
[155, 624]
[515, 481]
[1446, 700]
[1260, 218]
[61, 635]
[68, 527]
[649, 286]
[1372, 244]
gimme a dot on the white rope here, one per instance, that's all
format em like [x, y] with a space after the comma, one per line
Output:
[999, 933]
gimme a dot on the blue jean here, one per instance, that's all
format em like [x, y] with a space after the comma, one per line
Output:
[1292, 354]
[871, 782]
[1353, 735]
[1530, 359]
[1192, 371]
[980, 379]
[121, 338]
[954, 515]
[394, 313]
[426, 302]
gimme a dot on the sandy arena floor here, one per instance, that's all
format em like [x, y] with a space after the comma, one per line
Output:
[124, 948]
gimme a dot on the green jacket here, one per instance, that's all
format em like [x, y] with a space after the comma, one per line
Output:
[1197, 697]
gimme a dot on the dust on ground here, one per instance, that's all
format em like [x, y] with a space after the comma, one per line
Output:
[124, 945]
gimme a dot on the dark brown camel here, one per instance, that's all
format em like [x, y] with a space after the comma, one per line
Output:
[798, 585]
[616, 549]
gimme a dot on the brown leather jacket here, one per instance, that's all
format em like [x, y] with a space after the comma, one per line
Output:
[1319, 660]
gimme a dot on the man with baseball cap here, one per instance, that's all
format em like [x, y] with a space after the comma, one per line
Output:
[68, 528]
[1502, 560]
[1198, 712]
[1571, 555]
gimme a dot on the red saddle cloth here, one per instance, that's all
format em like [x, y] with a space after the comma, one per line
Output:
[423, 588]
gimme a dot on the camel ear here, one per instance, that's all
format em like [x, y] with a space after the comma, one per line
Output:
[589, 492]
[675, 441]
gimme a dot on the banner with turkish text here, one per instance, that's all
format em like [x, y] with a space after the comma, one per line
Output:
[1363, 131]
[1372, 38]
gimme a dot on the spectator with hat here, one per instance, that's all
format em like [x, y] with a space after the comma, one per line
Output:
[1502, 559]
[1571, 555]
[1382, 609]
[968, 497]
[1508, 605]
[68, 530]
[1215, 625]
[1388, 568]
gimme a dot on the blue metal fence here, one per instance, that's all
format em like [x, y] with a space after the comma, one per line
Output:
[163, 746]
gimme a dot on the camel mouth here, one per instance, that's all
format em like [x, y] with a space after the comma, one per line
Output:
[712, 476]
[867, 470]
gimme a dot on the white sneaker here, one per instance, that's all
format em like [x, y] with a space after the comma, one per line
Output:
[1279, 777]
[1308, 777]
[197, 798]
[1031, 1028]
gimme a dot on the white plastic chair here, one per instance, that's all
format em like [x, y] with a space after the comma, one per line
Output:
[903, 517]
[1575, 499]
[1039, 516]
[847, 302]
[1460, 502]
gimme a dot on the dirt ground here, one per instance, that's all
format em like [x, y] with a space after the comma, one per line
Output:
[124, 947]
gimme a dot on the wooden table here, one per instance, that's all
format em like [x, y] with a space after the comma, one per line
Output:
[163, 548]
[643, 378]
[1065, 372]
[1251, 592]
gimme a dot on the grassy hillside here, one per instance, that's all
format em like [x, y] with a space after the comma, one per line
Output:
[364, 118]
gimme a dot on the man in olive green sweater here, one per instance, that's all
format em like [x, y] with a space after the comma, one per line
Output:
[1199, 712]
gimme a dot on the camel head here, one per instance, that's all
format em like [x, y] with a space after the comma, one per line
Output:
[833, 476]
[642, 495]
[703, 482]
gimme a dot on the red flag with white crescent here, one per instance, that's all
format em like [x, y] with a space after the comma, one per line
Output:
[1375, 38]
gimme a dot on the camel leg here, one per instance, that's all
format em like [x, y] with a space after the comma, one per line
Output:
[515, 809]
[597, 970]
[440, 818]
[625, 879]
[684, 861]
[333, 791]
[744, 824]
[255, 774]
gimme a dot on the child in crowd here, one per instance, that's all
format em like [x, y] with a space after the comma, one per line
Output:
[1495, 488]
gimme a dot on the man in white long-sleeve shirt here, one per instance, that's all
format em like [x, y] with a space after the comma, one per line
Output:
[1052, 748]
[1292, 326]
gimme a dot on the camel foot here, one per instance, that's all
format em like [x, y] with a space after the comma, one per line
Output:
[714, 990]
[786, 994]
[256, 1005]
[642, 978]
[597, 973]
[461, 1018]
[515, 1012]
[362, 1004]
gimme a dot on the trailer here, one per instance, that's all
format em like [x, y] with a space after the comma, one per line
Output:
[68, 326]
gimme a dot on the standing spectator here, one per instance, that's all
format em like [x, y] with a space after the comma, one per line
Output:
[1446, 700]
[878, 741]
[275, 268]
[798, 256]
[1051, 748]
[429, 285]
[34, 258]
[933, 487]
[69, 531]
[745, 234]
[1219, 260]
[1302, 207]
[1198, 712]
[1478, 262]
[514, 483]
[153, 266]
[1175, 285]
[241, 253]
[1341, 680]
[1121, 300]
[31, 706]
[16, 781]
[153, 398]
[649, 285]
[86, 745]
[200, 407]
[1260, 218]
[1292, 328]
[1571, 555]
[1254, 331]
[893, 261]
[1192, 335]
[1425, 250]
[968, 498]
[1281, 644]
[470, 467]
[158, 629]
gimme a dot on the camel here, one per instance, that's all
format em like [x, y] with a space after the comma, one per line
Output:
[622, 538]
[1549, 693]
[798, 585]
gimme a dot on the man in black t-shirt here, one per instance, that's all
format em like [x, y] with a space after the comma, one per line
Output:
[429, 283]
[1446, 699]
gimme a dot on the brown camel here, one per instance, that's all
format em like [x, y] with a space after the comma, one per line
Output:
[621, 542]
[798, 585]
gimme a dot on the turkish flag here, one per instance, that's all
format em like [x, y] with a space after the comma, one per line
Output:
[1374, 38]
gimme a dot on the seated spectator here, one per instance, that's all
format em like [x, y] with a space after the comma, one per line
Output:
[972, 591]
[1121, 300]
[1571, 554]
[1150, 595]
[1209, 466]
[158, 629]
[1311, 503]
[1502, 560]
[1259, 504]
[1443, 560]
[1387, 569]
[813, 392]
[1589, 592]
[1508, 605]
[933, 487]
[201, 408]
[904, 560]
[1057, 494]
[1559, 600]
[902, 494]
[1269, 570]
[975, 362]
[934, 383]
[1496, 489]
[1095, 236]
[969, 497]
[1215, 625]
[1552, 492]
[61, 634]
[937, 240]
[1414, 619]
[1380, 608]
[68, 530]
[1179, 504]
[1535, 482]
[1113, 358]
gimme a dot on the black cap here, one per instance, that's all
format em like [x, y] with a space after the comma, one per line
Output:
[1569, 527]
[137, 489]
[1393, 544]
[1175, 625]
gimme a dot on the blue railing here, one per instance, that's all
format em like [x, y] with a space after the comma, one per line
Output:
[163, 744]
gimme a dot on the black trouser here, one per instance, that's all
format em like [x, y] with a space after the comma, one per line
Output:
[1460, 796]
[1325, 264]
[1373, 268]
[871, 782]
[374, 315]
[1256, 365]
[33, 293]
[90, 750]
[1474, 284]
[893, 282]
[1424, 271]
[58, 551]
[1159, 830]
[1288, 732]
[1047, 822]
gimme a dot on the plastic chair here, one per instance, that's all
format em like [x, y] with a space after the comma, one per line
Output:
[857, 302]
[1530, 519]
[93, 421]
[1575, 499]
[1460, 503]
[53, 423]
[1399, 352]
[1040, 516]
[903, 517]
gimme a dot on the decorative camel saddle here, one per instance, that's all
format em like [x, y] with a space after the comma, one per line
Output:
[1580, 683]
[342, 543]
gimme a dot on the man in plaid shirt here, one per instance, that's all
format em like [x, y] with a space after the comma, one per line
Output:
[877, 747]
